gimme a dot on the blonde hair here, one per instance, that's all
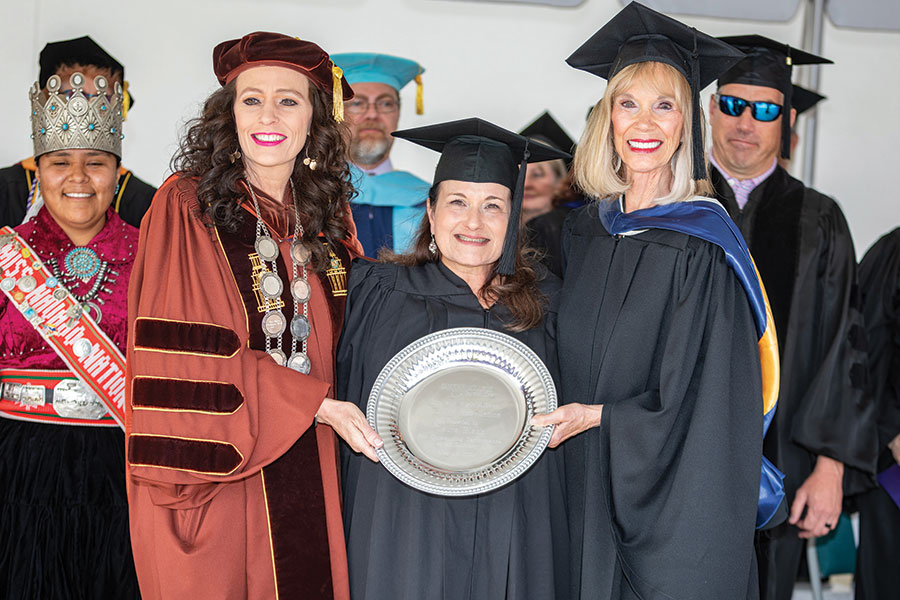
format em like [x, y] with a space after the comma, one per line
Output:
[599, 170]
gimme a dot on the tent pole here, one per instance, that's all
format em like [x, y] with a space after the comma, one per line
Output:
[809, 134]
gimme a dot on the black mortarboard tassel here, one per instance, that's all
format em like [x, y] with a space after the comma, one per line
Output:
[699, 160]
[786, 117]
[769, 63]
[481, 152]
[639, 34]
[507, 264]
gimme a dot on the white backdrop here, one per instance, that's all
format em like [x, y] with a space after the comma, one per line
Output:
[502, 62]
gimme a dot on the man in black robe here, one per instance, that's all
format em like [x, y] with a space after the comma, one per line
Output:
[17, 182]
[877, 575]
[823, 435]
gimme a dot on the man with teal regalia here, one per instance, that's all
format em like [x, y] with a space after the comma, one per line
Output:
[390, 204]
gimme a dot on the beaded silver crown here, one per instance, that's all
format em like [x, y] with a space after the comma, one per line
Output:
[69, 119]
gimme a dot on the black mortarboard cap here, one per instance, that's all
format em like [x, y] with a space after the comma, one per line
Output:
[639, 34]
[481, 152]
[804, 99]
[769, 64]
[83, 51]
[546, 129]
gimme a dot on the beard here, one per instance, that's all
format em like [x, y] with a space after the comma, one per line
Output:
[369, 150]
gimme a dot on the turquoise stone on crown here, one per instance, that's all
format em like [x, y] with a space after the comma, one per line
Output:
[85, 121]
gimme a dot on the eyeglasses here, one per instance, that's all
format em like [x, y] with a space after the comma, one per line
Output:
[761, 111]
[382, 105]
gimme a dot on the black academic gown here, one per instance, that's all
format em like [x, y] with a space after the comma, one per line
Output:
[403, 544]
[545, 236]
[877, 575]
[662, 495]
[15, 185]
[804, 252]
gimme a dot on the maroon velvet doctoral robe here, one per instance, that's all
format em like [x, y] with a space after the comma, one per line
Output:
[232, 493]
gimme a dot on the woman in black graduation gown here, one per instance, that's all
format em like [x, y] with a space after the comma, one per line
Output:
[465, 270]
[658, 344]
[879, 517]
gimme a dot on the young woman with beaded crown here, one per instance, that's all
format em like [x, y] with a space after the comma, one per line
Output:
[63, 507]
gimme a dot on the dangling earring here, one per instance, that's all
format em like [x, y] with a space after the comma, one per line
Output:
[118, 185]
[432, 247]
[234, 155]
[309, 162]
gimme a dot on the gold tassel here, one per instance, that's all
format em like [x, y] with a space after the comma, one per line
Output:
[337, 93]
[420, 102]
[126, 100]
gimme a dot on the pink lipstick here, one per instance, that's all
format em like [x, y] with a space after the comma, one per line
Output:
[268, 139]
[644, 145]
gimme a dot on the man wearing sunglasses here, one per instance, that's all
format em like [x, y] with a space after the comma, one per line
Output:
[389, 204]
[17, 183]
[823, 436]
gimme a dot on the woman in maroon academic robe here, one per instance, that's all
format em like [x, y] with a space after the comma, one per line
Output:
[236, 304]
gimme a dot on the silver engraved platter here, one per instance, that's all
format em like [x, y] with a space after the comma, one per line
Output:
[454, 410]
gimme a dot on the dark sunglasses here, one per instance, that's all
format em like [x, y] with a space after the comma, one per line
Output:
[761, 111]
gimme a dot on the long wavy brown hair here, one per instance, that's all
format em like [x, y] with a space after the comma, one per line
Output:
[323, 195]
[519, 292]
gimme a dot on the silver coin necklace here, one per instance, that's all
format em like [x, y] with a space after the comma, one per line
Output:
[271, 287]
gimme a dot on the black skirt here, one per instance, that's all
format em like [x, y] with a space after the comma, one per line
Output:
[63, 513]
